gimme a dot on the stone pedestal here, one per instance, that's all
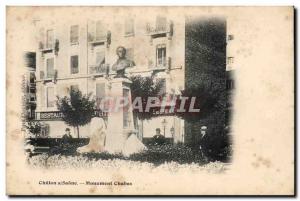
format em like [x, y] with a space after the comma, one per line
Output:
[120, 120]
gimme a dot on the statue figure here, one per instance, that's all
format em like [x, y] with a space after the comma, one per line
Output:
[97, 137]
[122, 63]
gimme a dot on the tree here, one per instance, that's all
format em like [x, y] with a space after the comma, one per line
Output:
[34, 127]
[205, 78]
[144, 87]
[77, 109]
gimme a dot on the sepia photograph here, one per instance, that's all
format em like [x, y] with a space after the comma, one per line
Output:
[129, 100]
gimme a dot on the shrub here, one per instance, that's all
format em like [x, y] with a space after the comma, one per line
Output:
[169, 153]
[217, 146]
[155, 154]
[102, 156]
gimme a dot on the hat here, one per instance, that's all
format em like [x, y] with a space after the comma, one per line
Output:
[67, 129]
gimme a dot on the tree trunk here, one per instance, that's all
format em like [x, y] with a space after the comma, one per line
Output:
[142, 134]
[77, 131]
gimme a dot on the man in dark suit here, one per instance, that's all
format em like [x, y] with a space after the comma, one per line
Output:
[158, 139]
[67, 137]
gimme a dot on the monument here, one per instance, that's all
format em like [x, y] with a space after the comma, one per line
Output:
[121, 136]
[122, 63]
[97, 137]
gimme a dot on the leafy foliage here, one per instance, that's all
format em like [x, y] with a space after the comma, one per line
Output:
[77, 109]
[33, 127]
[157, 155]
[206, 100]
[160, 154]
[144, 87]
[205, 75]
[216, 145]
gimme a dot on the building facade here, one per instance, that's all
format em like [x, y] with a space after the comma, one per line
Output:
[79, 55]
[30, 86]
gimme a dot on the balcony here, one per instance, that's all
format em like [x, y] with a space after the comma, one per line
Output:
[162, 29]
[162, 64]
[99, 38]
[46, 47]
[99, 70]
[32, 98]
[50, 76]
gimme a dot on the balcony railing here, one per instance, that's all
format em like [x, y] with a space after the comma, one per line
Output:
[100, 38]
[49, 46]
[162, 64]
[92, 38]
[156, 29]
[50, 75]
[46, 46]
[160, 28]
[102, 69]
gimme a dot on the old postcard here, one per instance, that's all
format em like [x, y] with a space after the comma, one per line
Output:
[150, 100]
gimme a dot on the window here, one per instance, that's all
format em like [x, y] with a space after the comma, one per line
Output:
[100, 33]
[74, 88]
[130, 54]
[50, 39]
[100, 57]
[230, 37]
[32, 78]
[161, 55]
[100, 93]
[32, 90]
[229, 84]
[230, 60]
[74, 34]
[129, 27]
[161, 23]
[45, 130]
[162, 90]
[32, 98]
[100, 90]
[50, 97]
[74, 64]
[50, 67]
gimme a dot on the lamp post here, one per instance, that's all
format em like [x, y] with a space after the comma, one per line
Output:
[164, 124]
[172, 130]
[203, 131]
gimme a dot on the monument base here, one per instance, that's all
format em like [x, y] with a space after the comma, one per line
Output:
[120, 121]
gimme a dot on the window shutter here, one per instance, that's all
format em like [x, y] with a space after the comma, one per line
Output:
[41, 38]
[91, 31]
[74, 34]
[50, 97]
[161, 23]
[100, 93]
[100, 90]
[100, 57]
[50, 38]
[50, 68]
[162, 90]
[129, 26]
[100, 32]
[74, 64]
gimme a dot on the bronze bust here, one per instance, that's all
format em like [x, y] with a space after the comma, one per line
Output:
[122, 63]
